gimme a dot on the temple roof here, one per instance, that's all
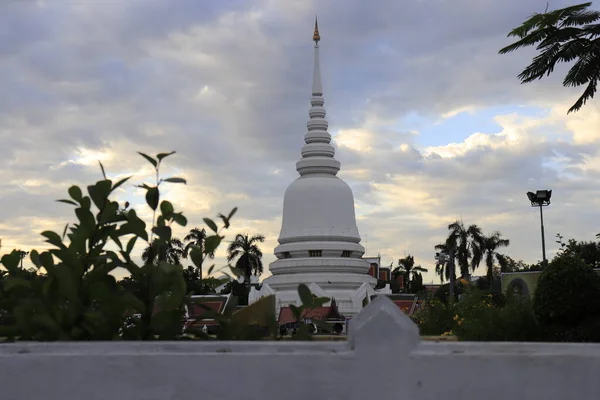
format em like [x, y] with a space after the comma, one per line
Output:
[319, 313]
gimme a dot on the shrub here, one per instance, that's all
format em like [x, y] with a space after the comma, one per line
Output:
[435, 318]
[482, 317]
[79, 298]
[567, 300]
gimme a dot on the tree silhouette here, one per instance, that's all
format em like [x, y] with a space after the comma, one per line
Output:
[562, 35]
[172, 253]
[467, 243]
[491, 244]
[248, 254]
[197, 237]
[406, 267]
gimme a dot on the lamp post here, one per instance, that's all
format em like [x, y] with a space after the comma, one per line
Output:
[540, 199]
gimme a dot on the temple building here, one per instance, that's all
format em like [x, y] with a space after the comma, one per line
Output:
[319, 242]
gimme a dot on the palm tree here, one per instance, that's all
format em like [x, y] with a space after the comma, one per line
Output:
[443, 266]
[490, 246]
[406, 266]
[197, 237]
[563, 35]
[467, 243]
[172, 253]
[249, 256]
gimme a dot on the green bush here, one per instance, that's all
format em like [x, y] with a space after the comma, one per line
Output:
[435, 318]
[567, 300]
[78, 297]
[481, 316]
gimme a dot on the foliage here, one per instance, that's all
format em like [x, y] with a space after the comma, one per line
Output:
[567, 294]
[589, 252]
[197, 237]
[79, 298]
[480, 316]
[248, 254]
[562, 35]
[511, 265]
[484, 317]
[410, 273]
[491, 244]
[237, 289]
[443, 292]
[174, 252]
[198, 286]
[435, 317]
[309, 302]
[466, 243]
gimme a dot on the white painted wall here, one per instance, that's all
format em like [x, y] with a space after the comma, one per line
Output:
[383, 359]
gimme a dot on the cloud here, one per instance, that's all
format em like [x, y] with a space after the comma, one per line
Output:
[227, 84]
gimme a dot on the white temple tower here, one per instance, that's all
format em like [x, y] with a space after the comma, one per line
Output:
[319, 243]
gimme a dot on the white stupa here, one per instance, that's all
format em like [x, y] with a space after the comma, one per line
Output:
[319, 243]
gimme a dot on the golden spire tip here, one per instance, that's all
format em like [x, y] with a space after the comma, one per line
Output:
[316, 36]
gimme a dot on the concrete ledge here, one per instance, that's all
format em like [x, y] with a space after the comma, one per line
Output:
[383, 359]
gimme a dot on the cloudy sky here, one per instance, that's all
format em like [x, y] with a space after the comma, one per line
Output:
[429, 122]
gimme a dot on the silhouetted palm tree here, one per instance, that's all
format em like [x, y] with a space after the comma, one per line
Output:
[172, 253]
[197, 237]
[249, 256]
[443, 267]
[490, 246]
[467, 243]
[406, 266]
[563, 35]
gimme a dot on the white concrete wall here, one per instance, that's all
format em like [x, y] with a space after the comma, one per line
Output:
[383, 359]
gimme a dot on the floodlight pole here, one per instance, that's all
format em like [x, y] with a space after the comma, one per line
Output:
[541, 198]
[544, 261]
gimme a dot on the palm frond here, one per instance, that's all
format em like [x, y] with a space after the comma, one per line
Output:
[587, 94]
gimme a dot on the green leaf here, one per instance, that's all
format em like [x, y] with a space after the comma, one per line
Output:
[211, 269]
[102, 168]
[323, 325]
[305, 294]
[67, 202]
[11, 261]
[152, 197]
[297, 311]
[180, 219]
[86, 220]
[319, 301]
[99, 193]
[53, 238]
[131, 244]
[175, 180]
[197, 256]
[65, 231]
[150, 159]
[160, 156]
[34, 256]
[211, 224]
[86, 203]
[119, 183]
[225, 221]
[47, 262]
[75, 193]
[236, 271]
[211, 243]
[163, 232]
[166, 208]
